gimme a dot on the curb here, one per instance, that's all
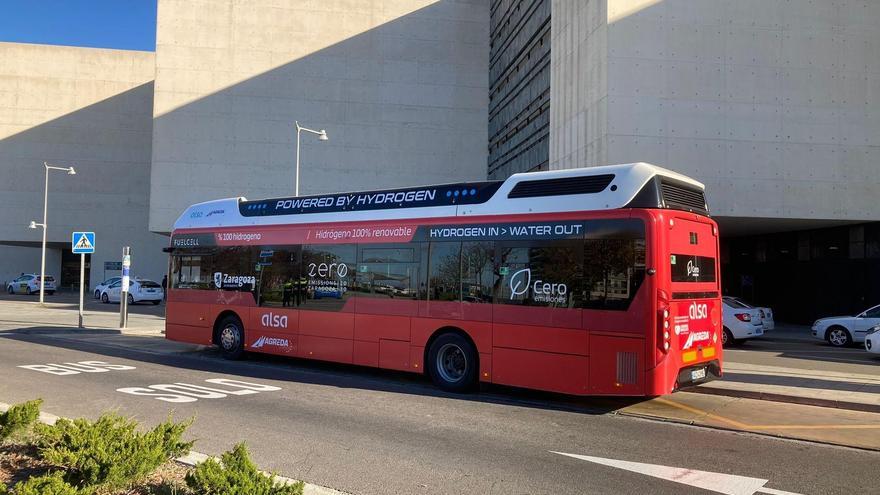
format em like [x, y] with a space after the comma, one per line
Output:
[194, 458]
[686, 422]
[790, 399]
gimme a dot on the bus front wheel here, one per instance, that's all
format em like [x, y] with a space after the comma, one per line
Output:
[452, 363]
[230, 338]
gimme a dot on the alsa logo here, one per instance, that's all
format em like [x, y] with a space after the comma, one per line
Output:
[270, 341]
[222, 280]
[698, 311]
[273, 321]
[521, 281]
[693, 270]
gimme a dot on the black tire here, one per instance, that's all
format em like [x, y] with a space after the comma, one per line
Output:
[452, 363]
[10, 290]
[230, 338]
[97, 294]
[156, 303]
[105, 298]
[31, 292]
[727, 339]
[51, 292]
[130, 299]
[838, 336]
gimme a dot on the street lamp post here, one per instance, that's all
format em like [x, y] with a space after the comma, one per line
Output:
[322, 136]
[33, 225]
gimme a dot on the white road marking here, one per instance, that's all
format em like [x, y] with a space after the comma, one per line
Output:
[185, 392]
[76, 368]
[728, 484]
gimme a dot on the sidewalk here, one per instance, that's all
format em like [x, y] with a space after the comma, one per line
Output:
[818, 388]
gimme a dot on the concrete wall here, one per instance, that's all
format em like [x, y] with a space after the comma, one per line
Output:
[579, 84]
[774, 104]
[90, 108]
[16, 260]
[399, 85]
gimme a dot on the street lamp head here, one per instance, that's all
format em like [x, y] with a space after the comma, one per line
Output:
[33, 225]
[323, 135]
[71, 171]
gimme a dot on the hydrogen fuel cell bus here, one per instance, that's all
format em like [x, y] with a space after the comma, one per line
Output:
[593, 281]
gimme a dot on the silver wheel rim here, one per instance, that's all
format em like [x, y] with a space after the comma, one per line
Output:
[229, 337]
[838, 337]
[724, 338]
[451, 363]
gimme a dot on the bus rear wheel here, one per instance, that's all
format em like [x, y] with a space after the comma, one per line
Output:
[452, 363]
[230, 338]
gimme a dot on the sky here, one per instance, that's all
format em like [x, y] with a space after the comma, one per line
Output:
[121, 24]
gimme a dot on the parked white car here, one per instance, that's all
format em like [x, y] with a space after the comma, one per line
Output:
[29, 283]
[766, 313]
[842, 331]
[138, 290]
[872, 340]
[741, 322]
[105, 285]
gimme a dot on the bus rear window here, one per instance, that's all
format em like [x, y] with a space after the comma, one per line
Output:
[690, 268]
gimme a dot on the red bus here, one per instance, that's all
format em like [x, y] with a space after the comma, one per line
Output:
[594, 281]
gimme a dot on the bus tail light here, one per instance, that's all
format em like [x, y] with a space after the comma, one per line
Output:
[663, 327]
[743, 316]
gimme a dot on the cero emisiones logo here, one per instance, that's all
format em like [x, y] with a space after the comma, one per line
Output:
[546, 292]
[520, 281]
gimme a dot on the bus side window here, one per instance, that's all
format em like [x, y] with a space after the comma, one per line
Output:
[390, 271]
[329, 271]
[614, 263]
[547, 274]
[444, 271]
[280, 281]
[190, 271]
[478, 274]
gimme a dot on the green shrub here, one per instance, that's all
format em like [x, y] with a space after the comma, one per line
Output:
[235, 474]
[110, 452]
[19, 418]
[48, 484]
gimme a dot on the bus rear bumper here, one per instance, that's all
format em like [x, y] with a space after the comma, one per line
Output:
[697, 374]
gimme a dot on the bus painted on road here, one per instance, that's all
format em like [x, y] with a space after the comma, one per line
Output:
[594, 281]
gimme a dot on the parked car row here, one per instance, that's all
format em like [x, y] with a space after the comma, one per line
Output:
[110, 290]
[29, 283]
[742, 321]
[842, 331]
[139, 290]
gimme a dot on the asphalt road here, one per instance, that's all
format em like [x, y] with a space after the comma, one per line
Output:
[373, 432]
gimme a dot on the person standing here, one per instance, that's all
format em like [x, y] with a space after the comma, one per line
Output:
[164, 287]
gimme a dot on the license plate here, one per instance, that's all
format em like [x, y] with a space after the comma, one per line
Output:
[698, 374]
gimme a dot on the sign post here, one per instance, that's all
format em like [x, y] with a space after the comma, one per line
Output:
[123, 296]
[82, 243]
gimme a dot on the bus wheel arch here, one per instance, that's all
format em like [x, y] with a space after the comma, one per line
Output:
[229, 335]
[452, 360]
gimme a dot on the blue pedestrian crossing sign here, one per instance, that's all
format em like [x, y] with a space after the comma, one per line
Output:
[82, 242]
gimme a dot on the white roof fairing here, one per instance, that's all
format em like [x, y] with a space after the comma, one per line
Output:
[629, 180]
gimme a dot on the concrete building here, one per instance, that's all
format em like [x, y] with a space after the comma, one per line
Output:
[773, 104]
[86, 107]
[399, 85]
